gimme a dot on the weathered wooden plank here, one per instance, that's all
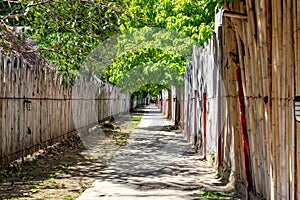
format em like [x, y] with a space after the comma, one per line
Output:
[5, 141]
[2, 134]
[22, 109]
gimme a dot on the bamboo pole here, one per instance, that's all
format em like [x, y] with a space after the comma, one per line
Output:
[268, 100]
[263, 41]
[290, 89]
[248, 80]
[233, 108]
[255, 92]
[283, 58]
[297, 138]
[242, 69]
[295, 22]
[276, 102]
[281, 93]
[224, 81]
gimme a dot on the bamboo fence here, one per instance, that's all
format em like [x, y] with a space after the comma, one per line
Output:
[245, 79]
[268, 54]
[57, 111]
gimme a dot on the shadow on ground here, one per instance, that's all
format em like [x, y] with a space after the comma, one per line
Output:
[65, 170]
[157, 162]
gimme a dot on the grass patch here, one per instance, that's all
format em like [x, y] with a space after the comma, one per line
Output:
[70, 197]
[215, 195]
[120, 137]
[135, 120]
[137, 117]
[65, 168]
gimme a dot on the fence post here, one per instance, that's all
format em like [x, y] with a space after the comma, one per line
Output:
[244, 128]
[219, 127]
[195, 119]
[187, 117]
[204, 124]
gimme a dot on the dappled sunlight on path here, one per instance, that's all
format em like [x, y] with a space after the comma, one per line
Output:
[155, 164]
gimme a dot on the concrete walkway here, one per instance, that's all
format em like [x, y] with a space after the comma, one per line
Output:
[155, 164]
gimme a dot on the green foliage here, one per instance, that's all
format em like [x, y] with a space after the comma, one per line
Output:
[211, 194]
[66, 32]
[212, 155]
[70, 197]
[158, 55]
[142, 56]
[147, 65]
[194, 18]
[221, 2]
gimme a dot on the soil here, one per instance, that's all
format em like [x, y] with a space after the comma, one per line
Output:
[65, 170]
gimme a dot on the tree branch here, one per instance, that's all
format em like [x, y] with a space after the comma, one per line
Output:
[30, 4]
[11, 1]
[11, 15]
[14, 15]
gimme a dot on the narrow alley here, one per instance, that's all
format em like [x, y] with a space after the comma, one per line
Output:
[156, 163]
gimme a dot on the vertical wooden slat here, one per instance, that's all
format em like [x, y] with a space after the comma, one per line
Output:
[17, 110]
[23, 131]
[22, 110]
[11, 109]
[5, 142]
[2, 149]
[2, 134]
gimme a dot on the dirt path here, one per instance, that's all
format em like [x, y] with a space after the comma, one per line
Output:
[63, 171]
[156, 163]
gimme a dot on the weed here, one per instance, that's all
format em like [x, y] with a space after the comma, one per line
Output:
[34, 185]
[197, 180]
[212, 155]
[211, 194]
[51, 181]
[218, 175]
[65, 168]
[70, 197]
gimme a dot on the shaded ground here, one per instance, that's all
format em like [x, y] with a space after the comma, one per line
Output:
[64, 171]
[157, 163]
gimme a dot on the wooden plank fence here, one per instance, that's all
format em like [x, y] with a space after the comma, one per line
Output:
[57, 111]
[202, 83]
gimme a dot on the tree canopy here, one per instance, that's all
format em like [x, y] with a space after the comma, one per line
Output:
[193, 18]
[67, 32]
